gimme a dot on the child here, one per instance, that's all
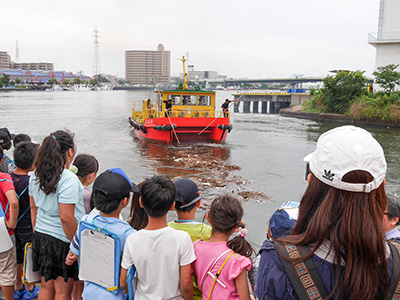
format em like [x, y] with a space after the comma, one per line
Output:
[137, 217]
[56, 208]
[85, 166]
[21, 137]
[111, 192]
[187, 200]
[24, 155]
[222, 263]
[7, 164]
[161, 255]
[8, 260]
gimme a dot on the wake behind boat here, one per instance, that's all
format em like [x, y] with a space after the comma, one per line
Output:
[180, 116]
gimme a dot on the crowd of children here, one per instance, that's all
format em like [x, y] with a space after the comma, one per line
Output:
[46, 201]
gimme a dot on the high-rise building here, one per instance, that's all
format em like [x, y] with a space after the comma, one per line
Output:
[145, 67]
[33, 66]
[5, 60]
[387, 39]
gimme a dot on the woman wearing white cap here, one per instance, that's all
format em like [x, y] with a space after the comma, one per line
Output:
[337, 249]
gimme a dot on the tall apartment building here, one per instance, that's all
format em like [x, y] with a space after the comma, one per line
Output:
[43, 66]
[5, 60]
[143, 67]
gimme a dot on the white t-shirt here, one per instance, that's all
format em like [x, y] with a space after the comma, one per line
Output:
[157, 256]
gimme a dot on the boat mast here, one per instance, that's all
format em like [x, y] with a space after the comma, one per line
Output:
[184, 73]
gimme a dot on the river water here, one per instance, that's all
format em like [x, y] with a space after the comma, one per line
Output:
[269, 149]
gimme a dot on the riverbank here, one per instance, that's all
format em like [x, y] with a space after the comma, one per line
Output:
[297, 112]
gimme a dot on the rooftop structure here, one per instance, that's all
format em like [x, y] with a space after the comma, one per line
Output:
[145, 67]
[387, 39]
[33, 66]
[5, 60]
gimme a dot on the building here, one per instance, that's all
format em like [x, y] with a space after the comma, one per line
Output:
[43, 66]
[5, 60]
[145, 67]
[201, 75]
[387, 39]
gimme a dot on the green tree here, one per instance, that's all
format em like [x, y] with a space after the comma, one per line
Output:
[6, 79]
[77, 81]
[121, 82]
[17, 80]
[387, 77]
[340, 90]
[66, 81]
[52, 81]
[93, 81]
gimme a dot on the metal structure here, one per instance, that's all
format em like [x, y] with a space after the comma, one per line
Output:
[96, 54]
[16, 52]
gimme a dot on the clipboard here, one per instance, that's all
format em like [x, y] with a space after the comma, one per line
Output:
[99, 267]
[5, 239]
[28, 276]
[131, 282]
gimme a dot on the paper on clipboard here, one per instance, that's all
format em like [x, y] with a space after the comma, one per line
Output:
[97, 258]
[28, 275]
[5, 239]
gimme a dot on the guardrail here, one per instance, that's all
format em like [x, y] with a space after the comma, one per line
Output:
[384, 36]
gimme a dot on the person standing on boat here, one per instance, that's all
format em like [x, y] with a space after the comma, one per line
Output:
[225, 107]
[168, 107]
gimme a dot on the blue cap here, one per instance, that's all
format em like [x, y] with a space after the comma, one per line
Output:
[284, 219]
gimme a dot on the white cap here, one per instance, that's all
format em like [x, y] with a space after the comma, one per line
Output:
[345, 149]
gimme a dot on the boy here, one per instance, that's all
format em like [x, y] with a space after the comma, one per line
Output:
[187, 200]
[8, 260]
[160, 254]
[24, 155]
[111, 192]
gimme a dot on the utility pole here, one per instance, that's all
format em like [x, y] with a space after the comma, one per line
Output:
[96, 55]
[16, 52]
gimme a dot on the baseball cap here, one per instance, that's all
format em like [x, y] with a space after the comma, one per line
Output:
[114, 184]
[345, 149]
[187, 192]
[5, 136]
[284, 219]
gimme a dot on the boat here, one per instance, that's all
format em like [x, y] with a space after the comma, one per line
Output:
[191, 116]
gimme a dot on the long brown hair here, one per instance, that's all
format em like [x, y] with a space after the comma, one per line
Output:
[51, 159]
[138, 218]
[225, 214]
[352, 223]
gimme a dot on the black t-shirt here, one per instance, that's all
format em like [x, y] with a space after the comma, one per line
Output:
[21, 184]
[225, 105]
[168, 106]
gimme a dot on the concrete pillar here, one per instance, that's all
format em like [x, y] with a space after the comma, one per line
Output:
[255, 107]
[236, 106]
[246, 107]
[264, 107]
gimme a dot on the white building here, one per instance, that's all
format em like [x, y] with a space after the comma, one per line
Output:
[387, 39]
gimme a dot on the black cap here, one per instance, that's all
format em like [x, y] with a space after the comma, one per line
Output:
[187, 192]
[5, 136]
[114, 184]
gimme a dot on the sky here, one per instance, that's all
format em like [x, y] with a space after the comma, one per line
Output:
[239, 39]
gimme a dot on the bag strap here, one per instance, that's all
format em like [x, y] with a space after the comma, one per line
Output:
[302, 274]
[219, 272]
[8, 203]
[212, 266]
[394, 286]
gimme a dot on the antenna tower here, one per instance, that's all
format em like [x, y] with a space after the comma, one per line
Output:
[96, 55]
[17, 52]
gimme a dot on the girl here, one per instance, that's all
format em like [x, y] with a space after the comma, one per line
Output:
[339, 229]
[56, 207]
[222, 263]
[137, 218]
[85, 166]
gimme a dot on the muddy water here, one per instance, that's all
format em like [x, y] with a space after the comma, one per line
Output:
[260, 161]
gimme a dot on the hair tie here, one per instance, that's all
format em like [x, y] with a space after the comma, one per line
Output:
[53, 137]
[74, 169]
[242, 231]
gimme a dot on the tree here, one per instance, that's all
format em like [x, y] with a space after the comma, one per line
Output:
[93, 81]
[387, 77]
[77, 81]
[52, 81]
[66, 81]
[17, 80]
[5, 80]
[340, 90]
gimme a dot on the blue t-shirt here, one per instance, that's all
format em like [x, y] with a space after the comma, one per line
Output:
[69, 191]
[114, 225]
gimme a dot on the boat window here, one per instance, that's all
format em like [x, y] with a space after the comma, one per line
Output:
[189, 100]
[176, 99]
[205, 100]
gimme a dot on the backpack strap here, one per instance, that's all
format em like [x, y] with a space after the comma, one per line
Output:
[8, 203]
[212, 266]
[302, 274]
[394, 285]
[219, 272]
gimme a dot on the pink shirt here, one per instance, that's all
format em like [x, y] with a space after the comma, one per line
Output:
[206, 254]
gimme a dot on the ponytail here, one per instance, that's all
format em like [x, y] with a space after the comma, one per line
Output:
[85, 164]
[51, 159]
[226, 214]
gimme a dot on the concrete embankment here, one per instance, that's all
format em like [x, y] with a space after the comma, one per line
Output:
[296, 112]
